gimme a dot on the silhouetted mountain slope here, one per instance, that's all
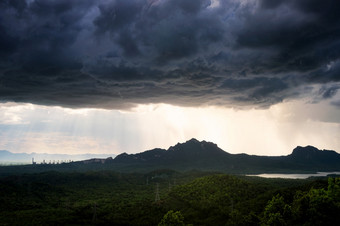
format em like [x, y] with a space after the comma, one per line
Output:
[189, 153]
[148, 156]
[310, 155]
[194, 154]
[195, 150]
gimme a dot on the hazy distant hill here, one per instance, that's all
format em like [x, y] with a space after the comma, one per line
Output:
[194, 154]
[7, 157]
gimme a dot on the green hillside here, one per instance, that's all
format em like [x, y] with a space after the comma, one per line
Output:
[202, 198]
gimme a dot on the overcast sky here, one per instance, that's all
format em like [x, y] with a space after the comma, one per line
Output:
[105, 76]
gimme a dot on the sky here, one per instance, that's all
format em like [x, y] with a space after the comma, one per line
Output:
[111, 76]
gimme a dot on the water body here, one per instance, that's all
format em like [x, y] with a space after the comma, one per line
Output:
[294, 176]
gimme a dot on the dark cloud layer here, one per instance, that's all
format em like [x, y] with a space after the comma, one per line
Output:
[113, 54]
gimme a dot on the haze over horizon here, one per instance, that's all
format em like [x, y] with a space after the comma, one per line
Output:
[111, 76]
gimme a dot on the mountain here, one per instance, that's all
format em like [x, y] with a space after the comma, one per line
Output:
[190, 155]
[7, 157]
[310, 154]
[203, 155]
[192, 150]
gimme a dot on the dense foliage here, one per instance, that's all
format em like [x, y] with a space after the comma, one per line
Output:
[197, 198]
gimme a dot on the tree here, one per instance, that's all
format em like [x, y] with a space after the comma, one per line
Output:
[172, 218]
[318, 206]
[276, 212]
[334, 188]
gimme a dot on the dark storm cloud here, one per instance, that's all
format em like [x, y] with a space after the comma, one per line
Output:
[329, 92]
[114, 54]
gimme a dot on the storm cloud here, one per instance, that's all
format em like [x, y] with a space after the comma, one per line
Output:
[115, 54]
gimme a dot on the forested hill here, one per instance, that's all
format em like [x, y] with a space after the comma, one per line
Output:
[203, 155]
[166, 197]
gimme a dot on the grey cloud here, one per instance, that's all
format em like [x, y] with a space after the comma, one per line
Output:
[263, 91]
[116, 15]
[270, 4]
[336, 104]
[330, 92]
[114, 54]
[327, 92]
[304, 34]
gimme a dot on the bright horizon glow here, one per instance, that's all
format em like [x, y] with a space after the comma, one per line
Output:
[274, 131]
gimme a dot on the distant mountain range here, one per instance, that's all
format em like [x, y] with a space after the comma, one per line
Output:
[7, 157]
[191, 155]
[194, 154]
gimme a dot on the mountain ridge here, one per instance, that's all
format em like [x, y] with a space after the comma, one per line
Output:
[187, 150]
[203, 155]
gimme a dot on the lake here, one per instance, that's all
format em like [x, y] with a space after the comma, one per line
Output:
[293, 176]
